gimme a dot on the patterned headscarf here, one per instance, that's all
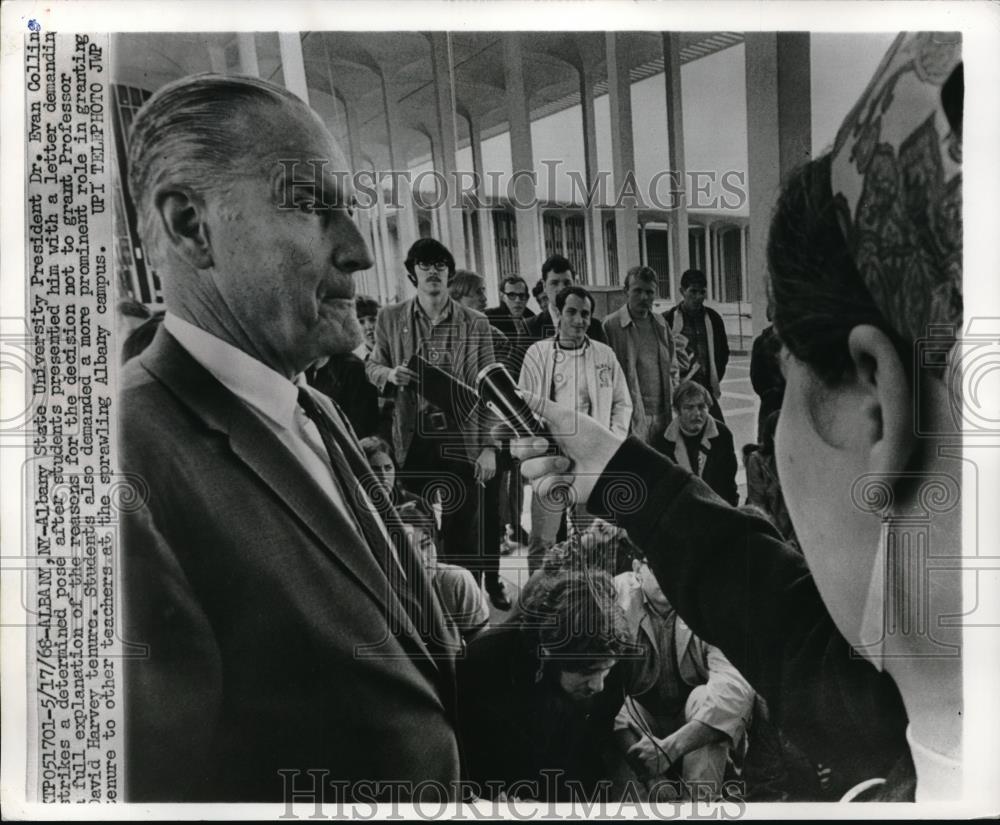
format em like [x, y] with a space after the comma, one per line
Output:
[896, 175]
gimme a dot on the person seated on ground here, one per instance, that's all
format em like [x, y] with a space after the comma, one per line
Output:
[763, 486]
[456, 588]
[700, 444]
[867, 286]
[379, 456]
[687, 717]
[540, 693]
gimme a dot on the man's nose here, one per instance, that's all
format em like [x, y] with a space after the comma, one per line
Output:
[596, 682]
[351, 253]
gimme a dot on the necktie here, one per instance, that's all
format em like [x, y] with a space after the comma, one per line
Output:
[405, 582]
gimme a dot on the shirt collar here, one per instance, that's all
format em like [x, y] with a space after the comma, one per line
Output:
[254, 383]
[417, 308]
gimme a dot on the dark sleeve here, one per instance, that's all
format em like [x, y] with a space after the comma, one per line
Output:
[742, 589]
[173, 670]
[759, 373]
[721, 347]
[596, 331]
[727, 481]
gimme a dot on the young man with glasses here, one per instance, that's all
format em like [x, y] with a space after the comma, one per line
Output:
[438, 451]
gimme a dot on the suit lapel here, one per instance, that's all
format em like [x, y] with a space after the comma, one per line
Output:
[257, 447]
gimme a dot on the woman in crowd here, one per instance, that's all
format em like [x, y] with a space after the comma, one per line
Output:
[850, 645]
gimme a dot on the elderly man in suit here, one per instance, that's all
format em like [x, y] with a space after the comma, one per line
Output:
[283, 625]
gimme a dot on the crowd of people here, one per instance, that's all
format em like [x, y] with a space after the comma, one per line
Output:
[321, 527]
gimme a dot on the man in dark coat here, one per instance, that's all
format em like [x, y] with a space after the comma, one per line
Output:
[557, 274]
[700, 330]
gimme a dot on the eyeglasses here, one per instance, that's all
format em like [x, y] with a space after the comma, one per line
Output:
[438, 267]
[517, 296]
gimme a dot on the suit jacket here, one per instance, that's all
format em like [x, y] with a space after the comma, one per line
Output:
[269, 625]
[541, 327]
[343, 379]
[396, 342]
[518, 339]
[623, 339]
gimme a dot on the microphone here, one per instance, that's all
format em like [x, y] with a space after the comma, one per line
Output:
[498, 391]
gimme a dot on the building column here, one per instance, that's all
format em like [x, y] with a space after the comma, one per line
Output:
[593, 231]
[450, 212]
[293, 67]
[643, 248]
[779, 137]
[707, 240]
[622, 149]
[247, 44]
[526, 217]
[406, 215]
[216, 54]
[486, 250]
[670, 274]
[680, 255]
[744, 281]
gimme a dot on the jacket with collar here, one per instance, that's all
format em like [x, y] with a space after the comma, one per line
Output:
[610, 402]
[717, 456]
[718, 342]
[619, 329]
[253, 596]
[396, 342]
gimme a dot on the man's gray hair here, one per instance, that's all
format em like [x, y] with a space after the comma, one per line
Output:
[192, 134]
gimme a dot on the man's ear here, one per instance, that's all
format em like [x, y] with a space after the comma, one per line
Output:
[886, 397]
[183, 217]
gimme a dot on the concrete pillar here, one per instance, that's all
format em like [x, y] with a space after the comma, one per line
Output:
[293, 67]
[526, 212]
[680, 255]
[246, 42]
[707, 241]
[779, 137]
[670, 275]
[593, 230]
[744, 285]
[216, 54]
[450, 212]
[622, 148]
[486, 253]
[643, 249]
[406, 215]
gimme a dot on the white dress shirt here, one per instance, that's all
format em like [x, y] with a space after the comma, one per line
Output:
[271, 397]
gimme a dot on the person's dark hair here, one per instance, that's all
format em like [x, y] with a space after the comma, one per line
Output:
[538, 289]
[693, 276]
[819, 296]
[573, 614]
[514, 279]
[556, 263]
[141, 337]
[577, 290]
[428, 251]
[688, 389]
[640, 273]
[366, 306]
